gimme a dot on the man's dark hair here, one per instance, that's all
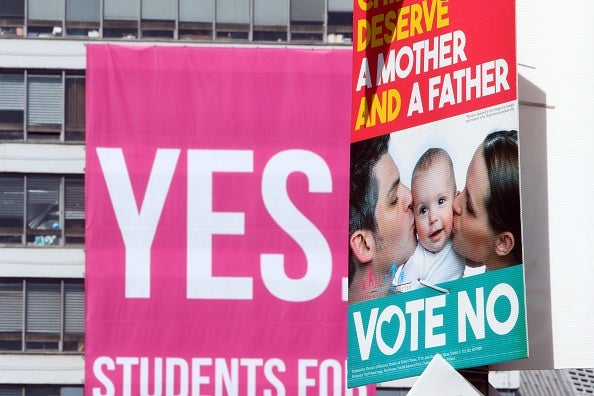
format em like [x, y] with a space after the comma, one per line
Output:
[363, 193]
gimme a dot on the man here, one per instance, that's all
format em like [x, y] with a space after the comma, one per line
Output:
[381, 222]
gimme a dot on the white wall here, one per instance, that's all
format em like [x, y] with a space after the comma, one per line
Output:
[42, 369]
[33, 158]
[38, 262]
[556, 57]
[42, 54]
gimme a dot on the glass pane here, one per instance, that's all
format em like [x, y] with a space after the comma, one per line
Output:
[12, 106]
[11, 125]
[12, 209]
[340, 27]
[43, 210]
[75, 108]
[233, 11]
[45, 100]
[42, 390]
[158, 9]
[307, 10]
[130, 32]
[74, 201]
[12, 8]
[11, 306]
[82, 10]
[340, 5]
[10, 390]
[74, 316]
[12, 91]
[45, 106]
[43, 315]
[11, 312]
[46, 10]
[196, 10]
[271, 12]
[72, 391]
[157, 29]
[121, 9]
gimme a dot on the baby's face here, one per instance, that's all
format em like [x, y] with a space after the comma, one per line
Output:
[433, 195]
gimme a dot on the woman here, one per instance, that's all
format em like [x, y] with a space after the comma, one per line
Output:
[487, 220]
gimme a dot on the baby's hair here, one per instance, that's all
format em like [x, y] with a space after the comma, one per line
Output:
[430, 157]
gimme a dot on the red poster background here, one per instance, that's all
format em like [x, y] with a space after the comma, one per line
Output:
[489, 29]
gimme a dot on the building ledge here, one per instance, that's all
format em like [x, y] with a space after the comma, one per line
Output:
[42, 369]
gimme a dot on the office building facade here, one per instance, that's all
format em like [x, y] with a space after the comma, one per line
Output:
[42, 162]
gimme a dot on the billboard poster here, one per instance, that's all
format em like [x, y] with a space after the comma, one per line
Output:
[435, 235]
[216, 184]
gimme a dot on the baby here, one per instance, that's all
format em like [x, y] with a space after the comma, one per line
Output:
[433, 190]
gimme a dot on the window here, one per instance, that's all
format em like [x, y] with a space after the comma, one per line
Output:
[52, 205]
[196, 23]
[307, 20]
[36, 106]
[158, 19]
[45, 18]
[271, 19]
[300, 21]
[45, 106]
[74, 210]
[12, 208]
[505, 392]
[232, 19]
[340, 21]
[11, 311]
[43, 210]
[121, 18]
[393, 392]
[12, 106]
[12, 17]
[41, 390]
[74, 316]
[74, 129]
[82, 17]
[42, 315]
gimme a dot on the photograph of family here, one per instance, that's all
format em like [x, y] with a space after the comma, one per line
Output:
[434, 203]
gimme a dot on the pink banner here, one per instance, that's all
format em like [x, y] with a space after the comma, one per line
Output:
[217, 202]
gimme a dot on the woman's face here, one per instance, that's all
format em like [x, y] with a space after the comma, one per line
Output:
[473, 238]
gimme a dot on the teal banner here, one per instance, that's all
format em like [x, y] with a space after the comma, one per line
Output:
[474, 321]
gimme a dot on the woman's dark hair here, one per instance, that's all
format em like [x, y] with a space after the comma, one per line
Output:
[363, 192]
[500, 150]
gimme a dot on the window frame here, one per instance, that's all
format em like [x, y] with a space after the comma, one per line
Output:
[61, 132]
[135, 24]
[41, 390]
[32, 341]
[71, 223]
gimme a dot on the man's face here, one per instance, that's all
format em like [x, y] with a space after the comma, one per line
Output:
[395, 235]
